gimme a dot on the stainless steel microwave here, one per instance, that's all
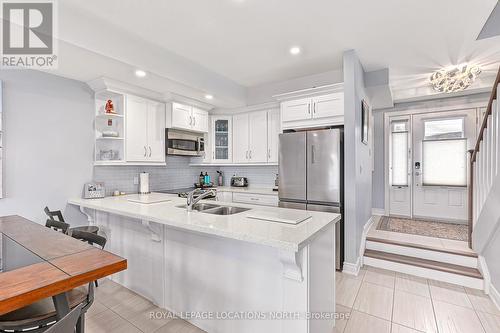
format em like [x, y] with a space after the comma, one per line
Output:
[183, 143]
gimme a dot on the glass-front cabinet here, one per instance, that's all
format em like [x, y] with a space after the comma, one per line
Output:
[222, 139]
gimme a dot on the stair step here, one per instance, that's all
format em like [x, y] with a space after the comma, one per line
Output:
[420, 246]
[425, 263]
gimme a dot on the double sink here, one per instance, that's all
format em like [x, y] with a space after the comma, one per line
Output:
[216, 209]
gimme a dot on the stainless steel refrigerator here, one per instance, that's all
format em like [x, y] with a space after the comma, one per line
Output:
[311, 175]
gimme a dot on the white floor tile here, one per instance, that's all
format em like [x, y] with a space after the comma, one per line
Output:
[491, 323]
[456, 319]
[363, 323]
[375, 300]
[450, 293]
[412, 284]
[414, 311]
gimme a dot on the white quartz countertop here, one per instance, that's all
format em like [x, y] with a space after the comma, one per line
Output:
[250, 190]
[238, 226]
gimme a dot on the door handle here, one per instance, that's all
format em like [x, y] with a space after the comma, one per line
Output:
[149, 151]
[145, 151]
[312, 154]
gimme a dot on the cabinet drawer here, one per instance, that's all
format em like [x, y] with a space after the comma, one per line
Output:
[256, 199]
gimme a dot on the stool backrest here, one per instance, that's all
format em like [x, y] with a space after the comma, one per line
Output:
[55, 215]
[67, 323]
[57, 226]
[89, 237]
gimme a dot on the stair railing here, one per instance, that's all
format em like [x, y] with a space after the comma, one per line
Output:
[481, 163]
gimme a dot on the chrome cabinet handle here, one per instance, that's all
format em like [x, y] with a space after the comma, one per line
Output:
[269, 153]
[250, 154]
[314, 107]
[309, 108]
[150, 151]
[246, 157]
[194, 121]
[145, 151]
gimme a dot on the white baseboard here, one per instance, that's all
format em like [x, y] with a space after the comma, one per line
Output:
[483, 268]
[378, 211]
[495, 296]
[352, 268]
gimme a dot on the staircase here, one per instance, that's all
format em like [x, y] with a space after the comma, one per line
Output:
[456, 266]
[452, 266]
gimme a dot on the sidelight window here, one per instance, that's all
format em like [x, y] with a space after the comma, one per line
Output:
[399, 153]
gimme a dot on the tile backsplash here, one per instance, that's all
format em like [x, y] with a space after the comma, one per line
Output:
[178, 174]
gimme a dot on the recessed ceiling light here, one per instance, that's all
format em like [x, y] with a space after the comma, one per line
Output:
[140, 73]
[295, 50]
[208, 96]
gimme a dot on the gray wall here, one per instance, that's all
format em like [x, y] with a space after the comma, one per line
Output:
[48, 143]
[358, 165]
[379, 149]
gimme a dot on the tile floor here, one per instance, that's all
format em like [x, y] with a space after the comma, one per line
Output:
[118, 310]
[380, 301]
[375, 301]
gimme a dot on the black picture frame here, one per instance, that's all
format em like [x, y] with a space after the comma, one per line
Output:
[365, 121]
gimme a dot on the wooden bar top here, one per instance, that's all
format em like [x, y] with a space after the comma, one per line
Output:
[67, 263]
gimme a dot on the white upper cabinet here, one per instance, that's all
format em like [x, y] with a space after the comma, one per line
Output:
[156, 131]
[221, 139]
[257, 145]
[250, 137]
[299, 109]
[240, 138]
[318, 110]
[145, 130]
[331, 105]
[273, 131]
[182, 116]
[200, 120]
[188, 118]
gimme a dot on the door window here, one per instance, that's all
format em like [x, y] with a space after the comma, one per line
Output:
[399, 153]
[444, 153]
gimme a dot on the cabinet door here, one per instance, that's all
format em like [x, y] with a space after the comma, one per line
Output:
[257, 137]
[240, 138]
[331, 105]
[222, 141]
[156, 132]
[137, 123]
[273, 131]
[299, 109]
[182, 116]
[200, 120]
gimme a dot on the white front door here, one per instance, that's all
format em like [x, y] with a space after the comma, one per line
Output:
[440, 163]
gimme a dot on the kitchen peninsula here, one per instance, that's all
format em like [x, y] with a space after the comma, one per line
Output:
[243, 272]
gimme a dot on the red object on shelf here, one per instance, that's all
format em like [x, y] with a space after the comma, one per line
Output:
[110, 107]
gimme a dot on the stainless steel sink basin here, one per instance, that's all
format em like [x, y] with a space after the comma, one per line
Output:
[225, 210]
[201, 206]
[216, 209]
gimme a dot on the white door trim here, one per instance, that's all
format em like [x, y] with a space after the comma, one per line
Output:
[420, 110]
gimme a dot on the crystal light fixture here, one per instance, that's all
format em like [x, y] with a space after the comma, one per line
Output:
[454, 79]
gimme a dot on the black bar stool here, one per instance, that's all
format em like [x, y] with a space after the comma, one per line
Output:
[56, 215]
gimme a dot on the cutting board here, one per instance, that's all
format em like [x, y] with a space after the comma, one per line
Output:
[148, 198]
[281, 216]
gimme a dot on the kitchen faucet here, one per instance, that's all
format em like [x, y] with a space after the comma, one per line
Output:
[191, 200]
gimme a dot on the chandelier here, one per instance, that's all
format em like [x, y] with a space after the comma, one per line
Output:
[454, 79]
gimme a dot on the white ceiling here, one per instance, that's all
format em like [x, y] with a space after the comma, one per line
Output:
[245, 43]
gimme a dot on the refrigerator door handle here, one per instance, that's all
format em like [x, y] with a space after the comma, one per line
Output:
[312, 154]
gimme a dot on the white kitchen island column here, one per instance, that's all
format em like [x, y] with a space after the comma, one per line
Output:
[228, 284]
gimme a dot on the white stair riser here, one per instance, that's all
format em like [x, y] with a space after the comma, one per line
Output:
[427, 273]
[423, 254]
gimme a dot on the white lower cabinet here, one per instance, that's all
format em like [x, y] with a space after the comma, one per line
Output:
[256, 199]
[145, 130]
